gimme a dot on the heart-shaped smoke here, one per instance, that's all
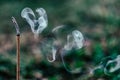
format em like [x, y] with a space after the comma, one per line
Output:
[37, 24]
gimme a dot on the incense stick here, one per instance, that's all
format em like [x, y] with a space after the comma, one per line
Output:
[17, 48]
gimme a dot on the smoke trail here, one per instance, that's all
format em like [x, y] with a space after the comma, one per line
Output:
[112, 66]
[109, 66]
[37, 24]
[49, 50]
[76, 70]
[56, 29]
[74, 41]
[71, 39]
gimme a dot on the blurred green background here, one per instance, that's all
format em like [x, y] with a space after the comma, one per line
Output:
[98, 20]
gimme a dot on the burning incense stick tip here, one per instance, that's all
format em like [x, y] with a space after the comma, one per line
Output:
[16, 26]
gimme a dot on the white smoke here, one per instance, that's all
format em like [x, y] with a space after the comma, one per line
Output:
[74, 40]
[37, 24]
[114, 68]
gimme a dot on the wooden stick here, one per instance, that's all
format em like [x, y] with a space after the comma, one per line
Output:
[18, 57]
[17, 48]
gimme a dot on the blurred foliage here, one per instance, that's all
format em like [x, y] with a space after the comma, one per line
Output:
[99, 21]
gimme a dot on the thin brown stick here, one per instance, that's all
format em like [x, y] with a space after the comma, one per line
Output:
[18, 57]
[17, 48]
